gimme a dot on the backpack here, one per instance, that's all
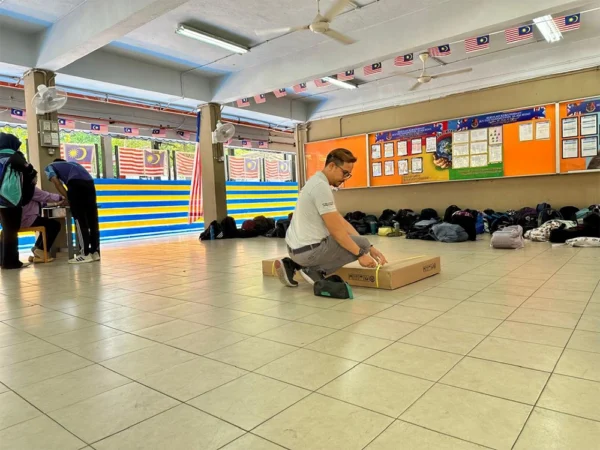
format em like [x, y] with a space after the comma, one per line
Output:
[467, 219]
[248, 225]
[361, 227]
[449, 211]
[510, 237]
[217, 232]
[547, 215]
[568, 212]
[11, 181]
[448, 232]
[333, 287]
[479, 224]
[281, 228]
[429, 213]
[542, 206]
[386, 218]
[406, 218]
[229, 228]
[527, 218]
[263, 225]
[498, 220]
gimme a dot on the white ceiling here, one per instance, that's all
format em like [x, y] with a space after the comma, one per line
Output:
[140, 56]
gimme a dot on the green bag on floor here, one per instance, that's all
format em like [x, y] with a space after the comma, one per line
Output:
[333, 287]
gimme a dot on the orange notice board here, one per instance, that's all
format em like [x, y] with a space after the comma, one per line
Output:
[519, 142]
[315, 154]
[579, 134]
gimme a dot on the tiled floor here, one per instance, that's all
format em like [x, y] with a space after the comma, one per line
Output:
[181, 345]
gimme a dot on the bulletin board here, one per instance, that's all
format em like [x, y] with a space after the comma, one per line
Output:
[579, 134]
[315, 154]
[504, 144]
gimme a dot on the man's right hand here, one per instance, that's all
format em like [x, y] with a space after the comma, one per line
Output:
[367, 261]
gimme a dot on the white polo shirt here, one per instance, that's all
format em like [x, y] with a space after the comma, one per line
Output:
[308, 227]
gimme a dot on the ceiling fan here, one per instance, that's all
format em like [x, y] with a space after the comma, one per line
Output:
[319, 25]
[425, 78]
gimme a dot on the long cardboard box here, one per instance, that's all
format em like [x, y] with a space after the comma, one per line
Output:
[405, 270]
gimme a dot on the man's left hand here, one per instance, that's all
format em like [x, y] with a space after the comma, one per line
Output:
[378, 256]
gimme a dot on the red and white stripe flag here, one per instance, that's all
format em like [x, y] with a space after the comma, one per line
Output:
[261, 98]
[346, 76]
[320, 82]
[298, 88]
[404, 60]
[131, 161]
[475, 44]
[568, 23]
[196, 209]
[183, 134]
[97, 128]
[66, 123]
[243, 102]
[128, 131]
[246, 143]
[159, 133]
[372, 69]
[440, 50]
[185, 164]
[278, 170]
[263, 144]
[518, 34]
[18, 114]
[280, 92]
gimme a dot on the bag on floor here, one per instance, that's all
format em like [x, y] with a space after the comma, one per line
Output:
[406, 218]
[548, 214]
[448, 232]
[386, 218]
[584, 242]
[281, 228]
[527, 218]
[213, 231]
[333, 287]
[229, 228]
[508, 238]
[479, 224]
[429, 213]
[568, 212]
[467, 218]
[449, 211]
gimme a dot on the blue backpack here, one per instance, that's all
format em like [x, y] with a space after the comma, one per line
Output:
[11, 181]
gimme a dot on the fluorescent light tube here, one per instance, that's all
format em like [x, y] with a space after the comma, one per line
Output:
[339, 83]
[548, 28]
[184, 30]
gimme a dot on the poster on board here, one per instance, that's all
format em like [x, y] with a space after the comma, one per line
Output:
[579, 145]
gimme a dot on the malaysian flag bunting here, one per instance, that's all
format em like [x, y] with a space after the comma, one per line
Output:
[154, 163]
[18, 114]
[322, 83]
[184, 163]
[263, 144]
[159, 133]
[131, 131]
[246, 143]
[568, 23]
[196, 208]
[278, 170]
[372, 69]
[440, 50]
[298, 88]
[346, 76]
[66, 123]
[518, 34]
[280, 93]
[243, 102]
[405, 60]
[261, 98]
[79, 153]
[131, 161]
[243, 169]
[184, 135]
[475, 44]
[97, 128]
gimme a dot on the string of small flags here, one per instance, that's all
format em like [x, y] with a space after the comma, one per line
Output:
[473, 44]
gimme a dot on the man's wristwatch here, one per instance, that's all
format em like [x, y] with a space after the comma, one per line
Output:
[361, 253]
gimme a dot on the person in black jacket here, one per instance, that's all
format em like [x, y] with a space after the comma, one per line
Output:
[10, 218]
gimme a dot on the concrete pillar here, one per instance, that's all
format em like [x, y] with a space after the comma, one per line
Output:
[213, 172]
[106, 153]
[39, 156]
[301, 136]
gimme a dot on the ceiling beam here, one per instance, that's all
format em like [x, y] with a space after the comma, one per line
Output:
[404, 33]
[94, 24]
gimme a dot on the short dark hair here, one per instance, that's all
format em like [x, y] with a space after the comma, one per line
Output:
[59, 160]
[339, 156]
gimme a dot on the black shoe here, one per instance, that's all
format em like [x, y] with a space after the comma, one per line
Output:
[311, 275]
[285, 269]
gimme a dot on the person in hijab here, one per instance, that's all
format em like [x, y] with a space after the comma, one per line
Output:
[10, 217]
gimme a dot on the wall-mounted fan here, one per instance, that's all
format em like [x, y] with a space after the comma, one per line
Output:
[425, 78]
[223, 132]
[319, 25]
[48, 99]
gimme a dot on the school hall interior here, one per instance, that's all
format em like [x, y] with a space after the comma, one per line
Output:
[475, 129]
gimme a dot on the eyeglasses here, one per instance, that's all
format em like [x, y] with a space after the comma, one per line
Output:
[347, 175]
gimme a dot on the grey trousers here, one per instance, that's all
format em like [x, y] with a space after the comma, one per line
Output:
[330, 256]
